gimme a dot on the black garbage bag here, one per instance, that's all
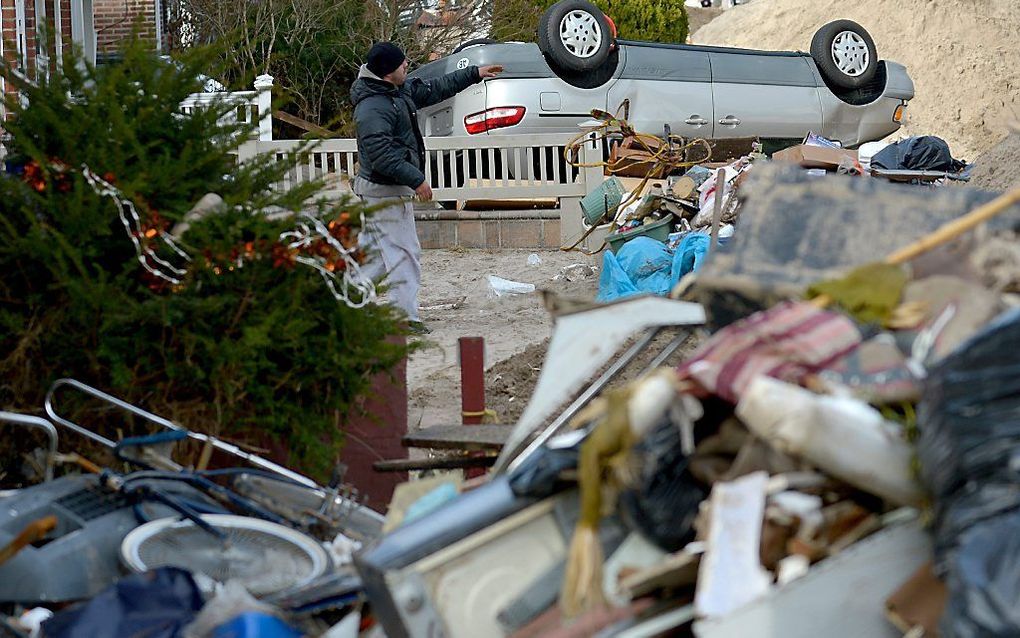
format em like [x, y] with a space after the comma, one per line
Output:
[969, 414]
[924, 153]
[663, 502]
[156, 604]
[983, 581]
[539, 475]
[969, 448]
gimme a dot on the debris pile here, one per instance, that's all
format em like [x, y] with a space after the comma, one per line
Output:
[857, 384]
[147, 546]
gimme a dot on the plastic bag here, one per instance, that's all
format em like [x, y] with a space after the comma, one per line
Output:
[230, 602]
[539, 475]
[969, 448]
[641, 265]
[925, 153]
[970, 411]
[984, 582]
[664, 500]
[499, 287]
[156, 604]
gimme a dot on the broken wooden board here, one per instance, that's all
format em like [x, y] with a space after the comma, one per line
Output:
[459, 437]
[919, 602]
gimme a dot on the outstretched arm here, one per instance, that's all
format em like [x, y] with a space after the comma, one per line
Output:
[429, 92]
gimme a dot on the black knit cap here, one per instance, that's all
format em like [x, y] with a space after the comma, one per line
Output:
[384, 58]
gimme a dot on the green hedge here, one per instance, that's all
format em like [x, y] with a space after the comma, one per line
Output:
[248, 343]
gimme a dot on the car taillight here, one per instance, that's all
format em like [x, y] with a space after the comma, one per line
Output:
[489, 119]
[901, 111]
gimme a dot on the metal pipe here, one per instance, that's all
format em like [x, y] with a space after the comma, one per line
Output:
[227, 448]
[667, 351]
[42, 424]
[472, 379]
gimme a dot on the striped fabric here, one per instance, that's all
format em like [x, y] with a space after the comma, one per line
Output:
[788, 342]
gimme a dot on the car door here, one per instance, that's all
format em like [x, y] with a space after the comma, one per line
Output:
[665, 85]
[773, 96]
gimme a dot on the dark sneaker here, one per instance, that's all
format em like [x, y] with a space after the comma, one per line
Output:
[418, 328]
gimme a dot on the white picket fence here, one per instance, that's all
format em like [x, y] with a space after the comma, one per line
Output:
[457, 168]
[251, 107]
[496, 167]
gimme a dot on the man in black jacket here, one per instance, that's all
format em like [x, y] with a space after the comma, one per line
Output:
[391, 157]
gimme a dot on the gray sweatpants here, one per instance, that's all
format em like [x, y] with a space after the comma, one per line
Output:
[390, 238]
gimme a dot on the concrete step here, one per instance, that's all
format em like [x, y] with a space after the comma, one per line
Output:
[490, 229]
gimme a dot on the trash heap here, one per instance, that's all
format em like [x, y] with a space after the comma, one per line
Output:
[836, 458]
[136, 543]
[676, 211]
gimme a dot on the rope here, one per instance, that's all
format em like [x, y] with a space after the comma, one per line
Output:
[666, 156]
[488, 416]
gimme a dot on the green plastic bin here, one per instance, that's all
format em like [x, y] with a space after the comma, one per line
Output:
[657, 230]
[606, 197]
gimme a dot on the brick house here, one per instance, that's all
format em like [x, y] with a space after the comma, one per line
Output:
[97, 26]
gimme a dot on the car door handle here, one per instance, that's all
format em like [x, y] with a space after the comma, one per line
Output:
[696, 120]
[729, 120]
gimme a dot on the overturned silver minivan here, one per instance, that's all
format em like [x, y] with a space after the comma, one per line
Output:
[841, 89]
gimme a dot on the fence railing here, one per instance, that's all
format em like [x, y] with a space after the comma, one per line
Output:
[500, 167]
[457, 168]
[251, 107]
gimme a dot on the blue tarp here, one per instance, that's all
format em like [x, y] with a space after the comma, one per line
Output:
[646, 265]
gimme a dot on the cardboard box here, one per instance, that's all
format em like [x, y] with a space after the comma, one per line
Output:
[814, 156]
[630, 159]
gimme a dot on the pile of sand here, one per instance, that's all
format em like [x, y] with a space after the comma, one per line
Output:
[962, 55]
[998, 169]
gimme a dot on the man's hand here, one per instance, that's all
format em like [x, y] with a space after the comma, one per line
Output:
[490, 71]
[424, 191]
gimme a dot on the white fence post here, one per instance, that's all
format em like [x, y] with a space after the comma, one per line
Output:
[264, 99]
[571, 226]
[247, 151]
[591, 153]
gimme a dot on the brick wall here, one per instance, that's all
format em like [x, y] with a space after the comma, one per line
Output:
[488, 229]
[115, 21]
[65, 29]
[9, 32]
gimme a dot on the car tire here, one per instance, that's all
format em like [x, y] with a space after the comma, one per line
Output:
[845, 54]
[473, 43]
[575, 35]
[589, 80]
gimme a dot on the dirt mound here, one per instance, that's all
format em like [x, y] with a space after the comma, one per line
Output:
[998, 169]
[510, 383]
[962, 55]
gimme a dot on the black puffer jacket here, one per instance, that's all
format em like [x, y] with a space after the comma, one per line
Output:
[390, 147]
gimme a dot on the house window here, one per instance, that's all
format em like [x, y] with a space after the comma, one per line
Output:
[21, 34]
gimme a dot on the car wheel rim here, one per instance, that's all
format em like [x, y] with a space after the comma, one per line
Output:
[580, 34]
[850, 53]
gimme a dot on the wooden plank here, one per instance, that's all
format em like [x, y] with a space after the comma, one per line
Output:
[459, 437]
[455, 463]
[302, 124]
